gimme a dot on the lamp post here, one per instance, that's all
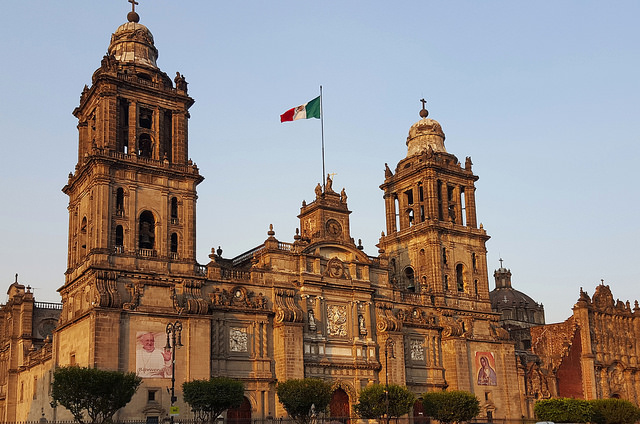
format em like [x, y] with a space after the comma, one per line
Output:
[174, 338]
[388, 346]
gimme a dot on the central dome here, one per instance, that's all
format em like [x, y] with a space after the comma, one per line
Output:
[424, 134]
[133, 43]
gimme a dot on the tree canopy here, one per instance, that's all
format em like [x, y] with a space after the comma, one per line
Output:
[372, 401]
[564, 410]
[210, 398]
[297, 396]
[98, 392]
[451, 406]
[614, 411]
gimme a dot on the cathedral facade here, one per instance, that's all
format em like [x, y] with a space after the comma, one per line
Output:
[418, 313]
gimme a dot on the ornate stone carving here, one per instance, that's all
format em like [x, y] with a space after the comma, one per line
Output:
[336, 269]
[416, 317]
[107, 295]
[286, 308]
[135, 291]
[417, 350]
[386, 321]
[337, 320]
[238, 339]
[237, 298]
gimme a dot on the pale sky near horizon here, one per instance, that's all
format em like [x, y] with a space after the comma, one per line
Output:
[542, 95]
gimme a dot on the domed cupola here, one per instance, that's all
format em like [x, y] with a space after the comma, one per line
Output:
[133, 43]
[424, 134]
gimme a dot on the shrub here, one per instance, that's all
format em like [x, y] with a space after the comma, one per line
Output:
[564, 410]
[614, 411]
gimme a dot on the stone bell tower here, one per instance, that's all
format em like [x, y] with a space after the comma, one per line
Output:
[432, 240]
[132, 197]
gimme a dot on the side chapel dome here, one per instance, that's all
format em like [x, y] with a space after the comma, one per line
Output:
[133, 43]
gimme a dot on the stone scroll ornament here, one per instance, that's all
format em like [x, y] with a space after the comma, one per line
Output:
[286, 308]
[106, 294]
[386, 321]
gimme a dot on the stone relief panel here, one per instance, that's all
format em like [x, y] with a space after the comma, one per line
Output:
[238, 339]
[337, 320]
[417, 350]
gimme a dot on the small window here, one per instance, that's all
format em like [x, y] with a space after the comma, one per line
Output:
[444, 256]
[147, 230]
[174, 243]
[460, 277]
[174, 210]
[446, 282]
[119, 236]
[151, 395]
[120, 202]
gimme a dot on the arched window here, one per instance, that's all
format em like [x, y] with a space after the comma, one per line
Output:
[119, 238]
[409, 276]
[174, 243]
[120, 202]
[144, 146]
[174, 210]
[460, 277]
[146, 238]
[83, 233]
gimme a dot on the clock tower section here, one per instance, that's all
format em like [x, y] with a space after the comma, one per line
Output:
[132, 197]
[433, 242]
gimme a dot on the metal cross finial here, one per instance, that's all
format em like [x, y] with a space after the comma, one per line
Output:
[333, 174]
[424, 112]
[500, 262]
[133, 4]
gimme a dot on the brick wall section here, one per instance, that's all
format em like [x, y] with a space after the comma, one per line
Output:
[570, 371]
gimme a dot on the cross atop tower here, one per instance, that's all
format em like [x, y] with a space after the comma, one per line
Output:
[133, 4]
[424, 112]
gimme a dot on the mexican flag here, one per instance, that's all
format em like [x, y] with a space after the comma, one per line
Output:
[311, 109]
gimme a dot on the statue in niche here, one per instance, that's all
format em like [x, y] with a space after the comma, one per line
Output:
[312, 320]
[361, 325]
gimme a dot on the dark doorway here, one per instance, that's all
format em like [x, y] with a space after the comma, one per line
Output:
[339, 406]
[418, 413]
[240, 415]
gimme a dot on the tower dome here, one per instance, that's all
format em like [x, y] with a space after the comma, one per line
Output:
[424, 134]
[133, 43]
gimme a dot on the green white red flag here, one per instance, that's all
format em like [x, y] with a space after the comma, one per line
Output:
[311, 109]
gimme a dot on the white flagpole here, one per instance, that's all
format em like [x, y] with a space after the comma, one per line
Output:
[322, 129]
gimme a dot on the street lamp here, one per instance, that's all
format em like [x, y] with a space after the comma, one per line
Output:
[174, 339]
[388, 346]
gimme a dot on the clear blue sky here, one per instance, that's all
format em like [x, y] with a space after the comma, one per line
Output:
[542, 95]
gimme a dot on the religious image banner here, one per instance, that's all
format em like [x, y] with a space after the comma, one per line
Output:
[486, 365]
[152, 360]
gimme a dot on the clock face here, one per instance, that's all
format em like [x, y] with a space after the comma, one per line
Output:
[334, 229]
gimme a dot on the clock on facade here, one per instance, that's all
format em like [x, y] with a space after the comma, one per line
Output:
[334, 228]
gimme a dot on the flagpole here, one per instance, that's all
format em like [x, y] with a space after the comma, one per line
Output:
[322, 130]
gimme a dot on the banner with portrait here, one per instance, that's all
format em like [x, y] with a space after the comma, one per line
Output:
[152, 359]
[486, 369]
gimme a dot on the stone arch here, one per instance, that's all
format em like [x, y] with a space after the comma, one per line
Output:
[347, 387]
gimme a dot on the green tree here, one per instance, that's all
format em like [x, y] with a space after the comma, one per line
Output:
[297, 396]
[98, 392]
[451, 407]
[372, 401]
[564, 410]
[614, 411]
[210, 398]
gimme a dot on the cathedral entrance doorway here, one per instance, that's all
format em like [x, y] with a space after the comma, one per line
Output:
[339, 406]
[240, 415]
[418, 413]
